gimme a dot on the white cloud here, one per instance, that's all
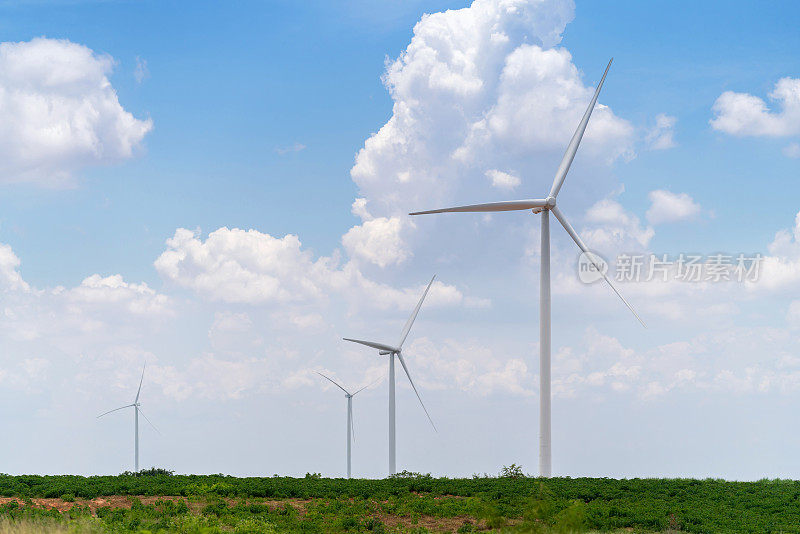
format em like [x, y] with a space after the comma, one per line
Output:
[671, 207]
[503, 180]
[359, 209]
[59, 113]
[101, 307]
[377, 241]
[481, 88]
[10, 278]
[744, 114]
[662, 135]
[780, 269]
[141, 73]
[467, 366]
[613, 229]
[296, 147]
[247, 266]
[100, 291]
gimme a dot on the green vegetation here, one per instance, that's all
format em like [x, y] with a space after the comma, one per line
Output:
[158, 501]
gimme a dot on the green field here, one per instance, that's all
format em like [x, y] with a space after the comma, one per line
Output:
[406, 503]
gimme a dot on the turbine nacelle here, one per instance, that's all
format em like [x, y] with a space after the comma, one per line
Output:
[385, 352]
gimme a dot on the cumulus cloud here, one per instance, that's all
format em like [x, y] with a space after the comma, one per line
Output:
[248, 266]
[10, 278]
[662, 135]
[468, 366]
[59, 113]
[62, 313]
[503, 180]
[100, 291]
[780, 268]
[610, 227]
[671, 207]
[733, 359]
[743, 114]
[377, 241]
[481, 88]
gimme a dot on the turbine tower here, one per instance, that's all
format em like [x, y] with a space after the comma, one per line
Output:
[545, 206]
[384, 350]
[349, 396]
[137, 410]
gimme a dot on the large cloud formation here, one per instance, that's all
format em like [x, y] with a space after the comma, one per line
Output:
[478, 90]
[59, 113]
[252, 267]
[743, 114]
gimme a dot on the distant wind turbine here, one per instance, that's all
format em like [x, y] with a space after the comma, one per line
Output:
[349, 396]
[545, 206]
[137, 410]
[391, 351]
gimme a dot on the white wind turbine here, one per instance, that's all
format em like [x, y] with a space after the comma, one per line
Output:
[349, 396]
[545, 206]
[137, 410]
[391, 351]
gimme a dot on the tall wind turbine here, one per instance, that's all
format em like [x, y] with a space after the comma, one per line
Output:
[137, 410]
[392, 351]
[545, 206]
[349, 396]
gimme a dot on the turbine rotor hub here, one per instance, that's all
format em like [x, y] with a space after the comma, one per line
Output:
[551, 202]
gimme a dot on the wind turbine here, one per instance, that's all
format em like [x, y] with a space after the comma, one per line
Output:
[137, 410]
[349, 396]
[545, 206]
[383, 350]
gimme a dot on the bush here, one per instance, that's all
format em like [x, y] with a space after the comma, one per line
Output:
[512, 471]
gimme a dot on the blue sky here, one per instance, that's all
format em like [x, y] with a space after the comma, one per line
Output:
[259, 111]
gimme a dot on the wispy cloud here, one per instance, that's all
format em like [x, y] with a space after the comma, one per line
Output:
[662, 135]
[140, 72]
[297, 147]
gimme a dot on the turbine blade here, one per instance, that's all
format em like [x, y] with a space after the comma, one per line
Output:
[332, 381]
[572, 148]
[140, 384]
[405, 368]
[148, 420]
[115, 410]
[373, 344]
[367, 386]
[510, 205]
[575, 237]
[410, 322]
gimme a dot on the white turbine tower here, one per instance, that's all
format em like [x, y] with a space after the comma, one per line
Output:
[349, 396]
[391, 351]
[137, 410]
[545, 206]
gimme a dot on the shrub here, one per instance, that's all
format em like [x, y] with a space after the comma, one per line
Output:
[512, 471]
